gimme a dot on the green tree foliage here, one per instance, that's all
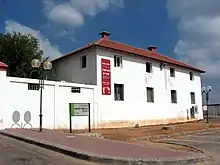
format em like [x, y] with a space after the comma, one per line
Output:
[17, 50]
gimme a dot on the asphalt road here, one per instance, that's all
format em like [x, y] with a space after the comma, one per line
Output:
[208, 141]
[13, 152]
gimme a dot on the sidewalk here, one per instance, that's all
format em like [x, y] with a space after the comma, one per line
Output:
[102, 150]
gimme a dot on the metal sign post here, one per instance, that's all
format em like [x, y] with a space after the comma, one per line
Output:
[70, 115]
[79, 109]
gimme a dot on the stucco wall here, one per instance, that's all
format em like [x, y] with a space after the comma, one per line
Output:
[105, 111]
[135, 108]
[15, 96]
[69, 69]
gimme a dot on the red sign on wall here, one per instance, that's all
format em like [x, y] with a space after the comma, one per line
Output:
[106, 76]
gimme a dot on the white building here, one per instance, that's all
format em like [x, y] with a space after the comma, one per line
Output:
[123, 84]
[142, 86]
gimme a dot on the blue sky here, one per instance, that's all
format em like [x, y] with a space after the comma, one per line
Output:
[139, 23]
[187, 30]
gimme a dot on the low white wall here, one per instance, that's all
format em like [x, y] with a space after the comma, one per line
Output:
[15, 96]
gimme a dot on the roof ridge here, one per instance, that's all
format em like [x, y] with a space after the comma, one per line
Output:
[130, 46]
[145, 50]
[100, 40]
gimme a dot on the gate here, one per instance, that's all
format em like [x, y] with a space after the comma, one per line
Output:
[213, 112]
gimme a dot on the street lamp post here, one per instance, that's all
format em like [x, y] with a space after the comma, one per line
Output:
[206, 91]
[41, 67]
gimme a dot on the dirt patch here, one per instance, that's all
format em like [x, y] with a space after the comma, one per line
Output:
[124, 134]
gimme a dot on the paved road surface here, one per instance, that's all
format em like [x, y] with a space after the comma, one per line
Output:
[208, 141]
[13, 152]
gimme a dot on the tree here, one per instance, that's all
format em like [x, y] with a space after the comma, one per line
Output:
[17, 50]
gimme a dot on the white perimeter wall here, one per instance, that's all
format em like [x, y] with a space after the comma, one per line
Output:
[15, 96]
[135, 108]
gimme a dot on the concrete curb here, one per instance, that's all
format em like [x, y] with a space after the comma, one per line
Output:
[194, 158]
[159, 137]
[208, 155]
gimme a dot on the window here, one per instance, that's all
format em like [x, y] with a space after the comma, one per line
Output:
[119, 92]
[75, 89]
[172, 72]
[196, 109]
[148, 67]
[193, 98]
[191, 76]
[32, 86]
[117, 61]
[150, 94]
[173, 96]
[83, 62]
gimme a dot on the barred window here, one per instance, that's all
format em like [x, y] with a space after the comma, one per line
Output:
[75, 89]
[33, 86]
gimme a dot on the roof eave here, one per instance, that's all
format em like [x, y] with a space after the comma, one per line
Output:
[96, 43]
[3, 65]
[74, 52]
[196, 69]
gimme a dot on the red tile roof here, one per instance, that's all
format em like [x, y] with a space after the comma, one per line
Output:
[107, 43]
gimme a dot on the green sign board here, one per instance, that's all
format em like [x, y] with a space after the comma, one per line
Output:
[79, 109]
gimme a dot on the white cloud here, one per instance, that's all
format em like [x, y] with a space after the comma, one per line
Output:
[71, 13]
[49, 50]
[199, 36]
[66, 15]
[93, 7]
